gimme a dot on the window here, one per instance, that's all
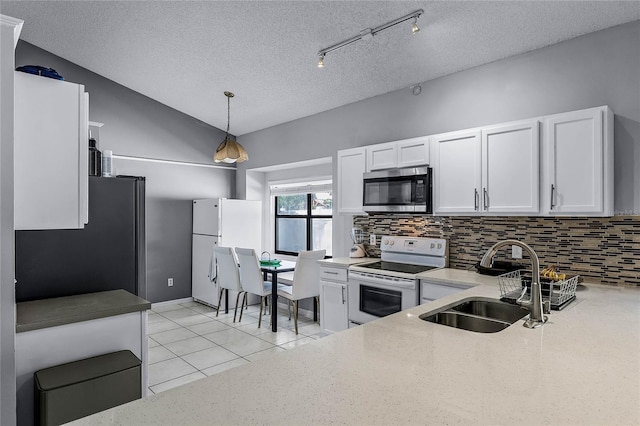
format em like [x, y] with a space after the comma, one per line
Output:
[303, 222]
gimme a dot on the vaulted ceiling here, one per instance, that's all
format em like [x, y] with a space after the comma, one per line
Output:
[185, 54]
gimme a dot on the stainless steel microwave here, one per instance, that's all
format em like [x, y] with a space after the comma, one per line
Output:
[406, 190]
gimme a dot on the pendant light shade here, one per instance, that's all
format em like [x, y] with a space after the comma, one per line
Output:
[230, 151]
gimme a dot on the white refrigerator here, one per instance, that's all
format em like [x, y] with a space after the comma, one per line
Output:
[225, 223]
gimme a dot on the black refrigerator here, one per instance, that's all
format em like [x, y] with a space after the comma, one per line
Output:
[108, 254]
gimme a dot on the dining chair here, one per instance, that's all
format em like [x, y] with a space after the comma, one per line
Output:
[306, 281]
[252, 279]
[228, 276]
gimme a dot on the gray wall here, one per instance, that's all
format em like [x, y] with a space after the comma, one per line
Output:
[601, 68]
[135, 125]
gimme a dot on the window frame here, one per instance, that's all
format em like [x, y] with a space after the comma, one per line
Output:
[308, 217]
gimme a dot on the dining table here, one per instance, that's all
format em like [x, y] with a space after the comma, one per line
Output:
[274, 269]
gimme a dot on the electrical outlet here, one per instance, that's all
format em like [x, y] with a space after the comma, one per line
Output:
[372, 239]
[516, 252]
[170, 282]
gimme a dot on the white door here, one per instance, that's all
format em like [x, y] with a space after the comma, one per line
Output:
[510, 168]
[351, 167]
[456, 166]
[382, 156]
[202, 288]
[333, 306]
[574, 144]
[206, 217]
[413, 152]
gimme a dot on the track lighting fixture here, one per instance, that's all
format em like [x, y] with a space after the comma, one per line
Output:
[368, 33]
[414, 27]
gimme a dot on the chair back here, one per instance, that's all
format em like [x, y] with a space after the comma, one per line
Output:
[228, 275]
[250, 274]
[306, 276]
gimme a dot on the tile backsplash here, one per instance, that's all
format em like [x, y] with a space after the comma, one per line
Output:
[602, 250]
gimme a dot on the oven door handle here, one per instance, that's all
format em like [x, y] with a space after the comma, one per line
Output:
[381, 282]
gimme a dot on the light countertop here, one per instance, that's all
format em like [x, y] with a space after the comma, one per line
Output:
[582, 367]
[56, 311]
[345, 262]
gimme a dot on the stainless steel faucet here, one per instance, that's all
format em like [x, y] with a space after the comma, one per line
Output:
[534, 304]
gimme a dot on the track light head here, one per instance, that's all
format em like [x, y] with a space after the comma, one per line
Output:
[414, 26]
[321, 61]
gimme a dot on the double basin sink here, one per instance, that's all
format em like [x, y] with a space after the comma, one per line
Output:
[482, 315]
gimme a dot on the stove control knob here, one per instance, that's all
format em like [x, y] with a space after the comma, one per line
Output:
[391, 242]
[432, 245]
[439, 246]
[385, 242]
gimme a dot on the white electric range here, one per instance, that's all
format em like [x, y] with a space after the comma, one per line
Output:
[381, 288]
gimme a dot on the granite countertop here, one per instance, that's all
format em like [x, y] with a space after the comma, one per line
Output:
[45, 313]
[345, 262]
[581, 367]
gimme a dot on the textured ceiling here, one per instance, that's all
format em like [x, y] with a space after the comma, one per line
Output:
[186, 53]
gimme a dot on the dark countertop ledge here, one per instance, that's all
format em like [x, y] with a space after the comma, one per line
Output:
[38, 314]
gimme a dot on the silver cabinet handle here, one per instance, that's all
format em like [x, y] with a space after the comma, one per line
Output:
[553, 188]
[329, 272]
[476, 199]
[342, 290]
[485, 198]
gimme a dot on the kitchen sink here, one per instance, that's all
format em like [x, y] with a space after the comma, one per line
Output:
[479, 315]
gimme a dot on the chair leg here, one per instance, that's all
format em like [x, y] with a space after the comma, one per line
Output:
[289, 308]
[261, 305]
[219, 302]
[295, 315]
[244, 302]
[318, 307]
[236, 310]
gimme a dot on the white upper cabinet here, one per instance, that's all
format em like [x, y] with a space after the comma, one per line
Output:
[578, 166]
[510, 168]
[51, 153]
[382, 156]
[456, 167]
[351, 167]
[404, 153]
[490, 170]
[413, 152]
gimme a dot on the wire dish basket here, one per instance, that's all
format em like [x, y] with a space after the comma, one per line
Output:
[559, 293]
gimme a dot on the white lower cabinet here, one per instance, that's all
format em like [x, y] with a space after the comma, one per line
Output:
[51, 153]
[334, 306]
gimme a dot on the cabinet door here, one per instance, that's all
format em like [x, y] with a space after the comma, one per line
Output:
[510, 162]
[575, 163]
[413, 152]
[456, 166]
[334, 315]
[51, 153]
[382, 156]
[351, 166]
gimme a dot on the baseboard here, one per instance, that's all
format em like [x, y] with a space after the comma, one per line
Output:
[172, 302]
[302, 313]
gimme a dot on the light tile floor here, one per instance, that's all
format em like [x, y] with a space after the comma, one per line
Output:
[187, 342]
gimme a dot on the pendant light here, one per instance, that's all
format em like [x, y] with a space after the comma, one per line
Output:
[229, 150]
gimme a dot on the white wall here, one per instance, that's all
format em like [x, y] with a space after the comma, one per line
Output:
[10, 28]
[597, 69]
